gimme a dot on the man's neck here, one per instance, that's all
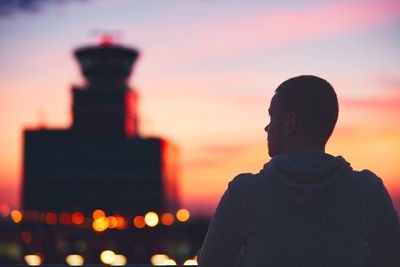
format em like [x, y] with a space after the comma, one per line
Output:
[305, 147]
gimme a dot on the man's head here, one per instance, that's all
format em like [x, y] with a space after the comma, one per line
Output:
[303, 113]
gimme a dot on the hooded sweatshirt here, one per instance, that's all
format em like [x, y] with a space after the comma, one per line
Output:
[304, 209]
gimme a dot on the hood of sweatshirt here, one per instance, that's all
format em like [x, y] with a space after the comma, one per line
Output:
[307, 178]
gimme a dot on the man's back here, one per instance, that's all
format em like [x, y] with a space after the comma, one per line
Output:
[302, 209]
[305, 208]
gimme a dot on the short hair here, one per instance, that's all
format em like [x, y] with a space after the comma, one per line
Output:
[314, 101]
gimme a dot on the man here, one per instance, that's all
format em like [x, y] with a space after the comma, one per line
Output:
[305, 207]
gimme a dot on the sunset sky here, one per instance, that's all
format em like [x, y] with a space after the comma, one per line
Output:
[205, 77]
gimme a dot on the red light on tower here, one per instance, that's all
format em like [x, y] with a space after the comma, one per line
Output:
[106, 40]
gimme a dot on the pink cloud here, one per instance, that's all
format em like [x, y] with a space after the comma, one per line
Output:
[326, 21]
[233, 35]
[387, 103]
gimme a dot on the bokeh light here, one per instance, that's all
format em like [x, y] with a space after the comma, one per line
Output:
[101, 224]
[74, 260]
[190, 262]
[169, 262]
[119, 260]
[16, 216]
[151, 219]
[33, 260]
[50, 218]
[139, 222]
[98, 214]
[167, 219]
[158, 259]
[182, 215]
[113, 222]
[107, 256]
[121, 222]
[77, 218]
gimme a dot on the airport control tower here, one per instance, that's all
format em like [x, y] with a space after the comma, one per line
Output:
[105, 105]
[101, 161]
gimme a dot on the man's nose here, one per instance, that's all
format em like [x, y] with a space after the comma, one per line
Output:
[266, 128]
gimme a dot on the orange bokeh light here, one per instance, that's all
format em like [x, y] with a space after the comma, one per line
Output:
[113, 222]
[77, 218]
[167, 219]
[50, 218]
[139, 222]
[182, 215]
[121, 222]
[98, 214]
[101, 224]
[16, 216]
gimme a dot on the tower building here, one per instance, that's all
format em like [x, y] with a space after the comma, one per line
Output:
[101, 161]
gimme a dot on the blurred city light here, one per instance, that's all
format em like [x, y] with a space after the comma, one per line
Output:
[16, 216]
[33, 260]
[74, 260]
[182, 215]
[190, 262]
[77, 218]
[107, 256]
[151, 219]
[101, 224]
[113, 222]
[119, 260]
[98, 214]
[121, 222]
[158, 259]
[139, 222]
[167, 219]
[50, 218]
[169, 262]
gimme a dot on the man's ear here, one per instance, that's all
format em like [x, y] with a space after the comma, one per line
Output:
[291, 123]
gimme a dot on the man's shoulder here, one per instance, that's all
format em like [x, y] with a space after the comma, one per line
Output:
[247, 178]
[367, 178]
[248, 182]
[367, 184]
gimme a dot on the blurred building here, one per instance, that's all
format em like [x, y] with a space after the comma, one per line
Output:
[101, 161]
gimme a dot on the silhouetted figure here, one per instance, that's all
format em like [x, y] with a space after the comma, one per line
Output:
[305, 207]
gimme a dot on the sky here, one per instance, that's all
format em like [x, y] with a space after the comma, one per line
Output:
[205, 76]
